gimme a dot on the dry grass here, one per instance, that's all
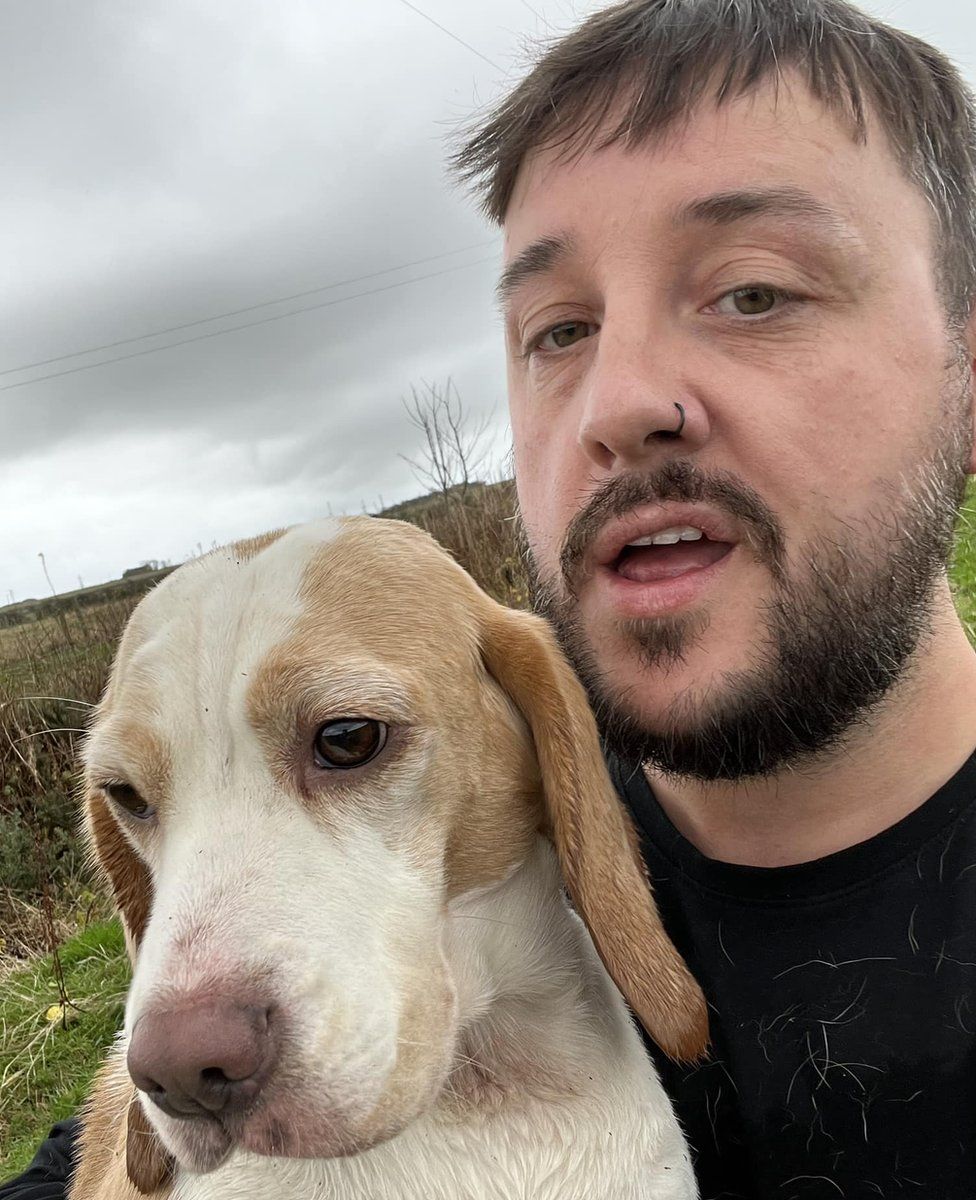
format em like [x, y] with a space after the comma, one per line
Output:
[51, 673]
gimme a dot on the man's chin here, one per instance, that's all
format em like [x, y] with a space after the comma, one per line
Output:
[681, 705]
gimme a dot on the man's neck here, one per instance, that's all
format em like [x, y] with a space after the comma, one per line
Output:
[912, 744]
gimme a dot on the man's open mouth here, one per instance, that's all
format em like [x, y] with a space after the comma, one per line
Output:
[668, 553]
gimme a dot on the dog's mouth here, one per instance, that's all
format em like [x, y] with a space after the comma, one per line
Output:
[201, 1144]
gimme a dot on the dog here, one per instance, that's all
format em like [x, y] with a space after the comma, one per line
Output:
[339, 795]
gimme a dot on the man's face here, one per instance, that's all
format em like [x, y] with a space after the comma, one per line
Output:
[766, 285]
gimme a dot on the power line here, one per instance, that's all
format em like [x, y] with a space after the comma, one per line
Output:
[202, 337]
[236, 312]
[44, 362]
[443, 29]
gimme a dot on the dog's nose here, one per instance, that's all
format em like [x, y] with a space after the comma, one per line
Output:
[209, 1059]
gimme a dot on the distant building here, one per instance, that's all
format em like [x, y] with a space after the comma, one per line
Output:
[150, 565]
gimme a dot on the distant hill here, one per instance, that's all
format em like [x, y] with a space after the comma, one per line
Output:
[133, 583]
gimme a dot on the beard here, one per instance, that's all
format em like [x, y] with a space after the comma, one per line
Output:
[839, 631]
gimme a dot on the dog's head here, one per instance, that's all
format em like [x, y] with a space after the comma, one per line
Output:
[309, 746]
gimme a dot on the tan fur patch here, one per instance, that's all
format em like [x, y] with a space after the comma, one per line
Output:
[149, 770]
[102, 1172]
[484, 793]
[127, 873]
[248, 548]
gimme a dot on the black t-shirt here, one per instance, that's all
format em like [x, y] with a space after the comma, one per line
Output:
[843, 1010]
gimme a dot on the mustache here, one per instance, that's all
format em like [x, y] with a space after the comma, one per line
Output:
[678, 480]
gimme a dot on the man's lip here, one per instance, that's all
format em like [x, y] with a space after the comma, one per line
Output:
[630, 599]
[651, 519]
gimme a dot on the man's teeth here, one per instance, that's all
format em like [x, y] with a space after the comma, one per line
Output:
[667, 537]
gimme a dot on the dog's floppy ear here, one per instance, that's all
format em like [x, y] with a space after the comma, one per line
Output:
[147, 1163]
[116, 1138]
[592, 833]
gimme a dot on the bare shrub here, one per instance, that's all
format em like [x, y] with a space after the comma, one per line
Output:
[454, 453]
[472, 518]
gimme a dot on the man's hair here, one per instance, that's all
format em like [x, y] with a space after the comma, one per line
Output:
[635, 69]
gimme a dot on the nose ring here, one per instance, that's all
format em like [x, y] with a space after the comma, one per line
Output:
[673, 433]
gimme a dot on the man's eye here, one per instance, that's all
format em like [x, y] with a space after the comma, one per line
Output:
[753, 301]
[560, 337]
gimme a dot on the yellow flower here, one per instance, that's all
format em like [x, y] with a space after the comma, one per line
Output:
[61, 1012]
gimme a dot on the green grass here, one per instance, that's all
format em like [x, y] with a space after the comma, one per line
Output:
[964, 564]
[46, 1066]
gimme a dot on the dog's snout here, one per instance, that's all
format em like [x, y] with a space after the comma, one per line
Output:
[208, 1059]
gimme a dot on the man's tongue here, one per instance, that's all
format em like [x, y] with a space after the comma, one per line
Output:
[650, 564]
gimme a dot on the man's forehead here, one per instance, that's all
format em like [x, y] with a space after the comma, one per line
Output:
[775, 150]
[774, 155]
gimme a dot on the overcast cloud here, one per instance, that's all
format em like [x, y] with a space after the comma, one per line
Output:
[168, 160]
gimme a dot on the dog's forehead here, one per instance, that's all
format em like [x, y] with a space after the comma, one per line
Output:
[346, 587]
[390, 588]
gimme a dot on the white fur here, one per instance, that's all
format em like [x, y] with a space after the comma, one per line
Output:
[611, 1135]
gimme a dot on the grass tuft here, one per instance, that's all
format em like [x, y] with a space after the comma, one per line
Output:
[49, 1051]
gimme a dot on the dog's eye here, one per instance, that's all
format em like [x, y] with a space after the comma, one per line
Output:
[126, 796]
[349, 743]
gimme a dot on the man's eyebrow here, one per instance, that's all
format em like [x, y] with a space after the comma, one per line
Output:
[536, 259]
[725, 208]
[722, 208]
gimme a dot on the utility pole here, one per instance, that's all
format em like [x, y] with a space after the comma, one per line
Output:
[40, 555]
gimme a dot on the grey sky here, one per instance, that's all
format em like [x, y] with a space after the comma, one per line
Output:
[167, 160]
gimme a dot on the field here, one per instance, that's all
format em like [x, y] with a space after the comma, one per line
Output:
[62, 965]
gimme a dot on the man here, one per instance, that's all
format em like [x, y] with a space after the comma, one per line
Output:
[738, 295]
[740, 273]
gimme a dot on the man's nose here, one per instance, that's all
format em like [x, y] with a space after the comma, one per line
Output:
[639, 408]
[207, 1059]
